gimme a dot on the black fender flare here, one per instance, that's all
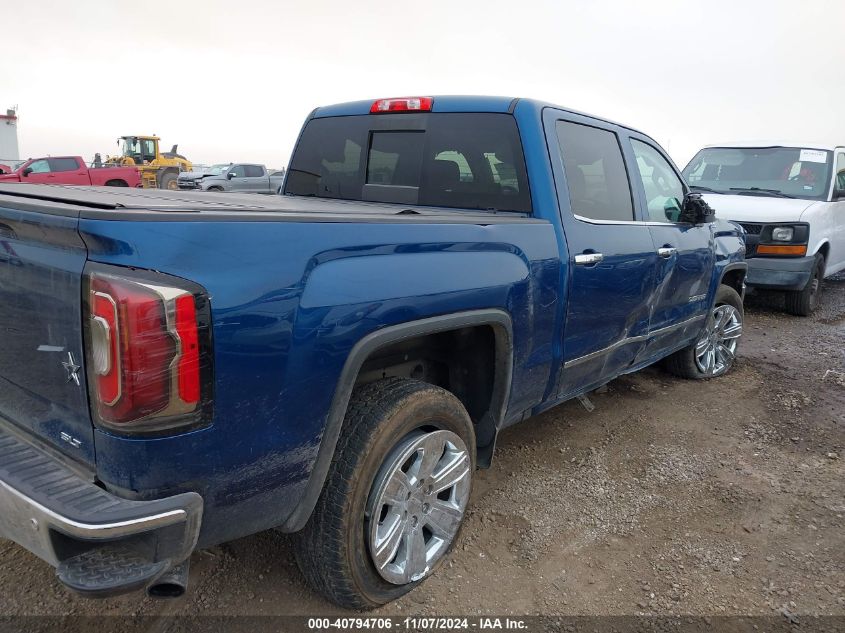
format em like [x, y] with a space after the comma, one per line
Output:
[503, 329]
[743, 265]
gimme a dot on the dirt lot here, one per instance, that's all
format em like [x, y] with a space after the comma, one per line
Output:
[671, 497]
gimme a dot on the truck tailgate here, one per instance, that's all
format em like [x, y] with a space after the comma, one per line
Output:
[42, 381]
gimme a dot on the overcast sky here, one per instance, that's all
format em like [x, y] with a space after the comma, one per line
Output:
[233, 81]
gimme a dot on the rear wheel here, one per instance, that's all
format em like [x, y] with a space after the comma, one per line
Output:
[395, 495]
[116, 183]
[713, 354]
[804, 302]
[168, 181]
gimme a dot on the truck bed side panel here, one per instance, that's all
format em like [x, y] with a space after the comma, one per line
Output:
[289, 301]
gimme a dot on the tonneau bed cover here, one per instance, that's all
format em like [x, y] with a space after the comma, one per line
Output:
[115, 203]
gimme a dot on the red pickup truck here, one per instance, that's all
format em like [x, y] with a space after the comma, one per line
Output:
[71, 170]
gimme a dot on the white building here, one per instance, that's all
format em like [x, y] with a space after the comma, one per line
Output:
[9, 151]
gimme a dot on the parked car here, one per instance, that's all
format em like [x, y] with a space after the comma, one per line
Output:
[244, 177]
[191, 179]
[338, 360]
[71, 170]
[790, 199]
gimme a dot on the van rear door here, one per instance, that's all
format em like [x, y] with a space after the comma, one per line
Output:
[42, 381]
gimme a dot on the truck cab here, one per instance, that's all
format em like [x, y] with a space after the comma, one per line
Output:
[790, 199]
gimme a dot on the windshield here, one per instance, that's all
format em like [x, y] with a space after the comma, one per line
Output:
[459, 160]
[216, 170]
[789, 171]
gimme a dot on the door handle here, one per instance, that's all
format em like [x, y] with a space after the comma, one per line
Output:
[667, 251]
[588, 259]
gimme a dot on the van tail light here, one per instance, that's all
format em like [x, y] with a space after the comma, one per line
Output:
[148, 350]
[402, 104]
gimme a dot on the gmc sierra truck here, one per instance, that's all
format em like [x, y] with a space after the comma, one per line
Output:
[179, 370]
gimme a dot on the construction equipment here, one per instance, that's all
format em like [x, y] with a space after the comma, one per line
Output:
[158, 169]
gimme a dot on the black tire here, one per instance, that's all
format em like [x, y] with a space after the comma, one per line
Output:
[168, 181]
[804, 302]
[683, 363]
[215, 189]
[332, 549]
[117, 183]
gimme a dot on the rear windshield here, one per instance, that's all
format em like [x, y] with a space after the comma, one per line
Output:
[781, 171]
[459, 160]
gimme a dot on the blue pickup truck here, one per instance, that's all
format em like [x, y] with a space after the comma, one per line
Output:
[178, 371]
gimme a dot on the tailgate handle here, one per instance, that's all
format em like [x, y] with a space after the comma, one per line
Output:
[7, 231]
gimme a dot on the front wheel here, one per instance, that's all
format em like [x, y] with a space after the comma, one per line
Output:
[168, 181]
[394, 497]
[714, 353]
[804, 302]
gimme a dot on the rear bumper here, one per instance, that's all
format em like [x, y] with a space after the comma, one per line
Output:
[779, 273]
[100, 544]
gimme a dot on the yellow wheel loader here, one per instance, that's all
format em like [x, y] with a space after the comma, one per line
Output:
[158, 169]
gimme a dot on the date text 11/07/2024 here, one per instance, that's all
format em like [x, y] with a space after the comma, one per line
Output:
[418, 623]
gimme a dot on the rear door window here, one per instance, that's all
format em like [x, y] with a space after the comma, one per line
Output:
[459, 160]
[253, 171]
[595, 173]
[63, 164]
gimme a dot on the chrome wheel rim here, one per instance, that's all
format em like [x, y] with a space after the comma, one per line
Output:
[716, 350]
[417, 504]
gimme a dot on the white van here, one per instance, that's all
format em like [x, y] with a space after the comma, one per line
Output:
[790, 199]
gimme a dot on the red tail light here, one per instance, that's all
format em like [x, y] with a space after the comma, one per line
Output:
[147, 362]
[402, 104]
[189, 363]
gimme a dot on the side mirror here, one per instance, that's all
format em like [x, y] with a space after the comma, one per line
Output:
[839, 194]
[695, 209]
[26, 172]
[230, 175]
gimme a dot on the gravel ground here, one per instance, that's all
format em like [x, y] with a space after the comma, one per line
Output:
[671, 497]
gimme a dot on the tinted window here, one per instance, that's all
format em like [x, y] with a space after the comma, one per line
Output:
[253, 171]
[461, 160]
[840, 171]
[595, 172]
[795, 171]
[238, 171]
[395, 158]
[63, 164]
[664, 191]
